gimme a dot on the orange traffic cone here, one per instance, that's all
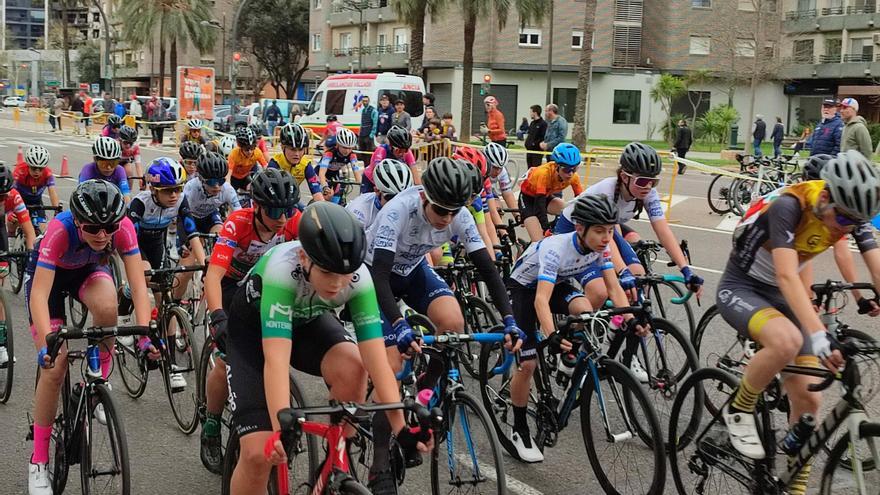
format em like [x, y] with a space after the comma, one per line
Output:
[65, 168]
[19, 158]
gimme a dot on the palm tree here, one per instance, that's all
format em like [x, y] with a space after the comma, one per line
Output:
[579, 134]
[178, 21]
[413, 12]
[667, 89]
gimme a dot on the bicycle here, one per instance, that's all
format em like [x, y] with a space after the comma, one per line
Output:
[615, 410]
[7, 369]
[342, 187]
[656, 289]
[18, 264]
[77, 310]
[74, 431]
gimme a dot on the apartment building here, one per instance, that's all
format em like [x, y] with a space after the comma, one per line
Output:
[23, 23]
[84, 22]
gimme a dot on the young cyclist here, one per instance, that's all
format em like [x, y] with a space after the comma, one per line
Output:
[335, 158]
[190, 152]
[763, 297]
[497, 158]
[307, 280]
[71, 260]
[247, 234]
[244, 158]
[193, 133]
[392, 177]
[482, 191]
[328, 138]
[130, 158]
[107, 153]
[397, 146]
[538, 192]
[261, 143]
[226, 145]
[208, 192]
[31, 179]
[295, 159]
[111, 128]
[541, 284]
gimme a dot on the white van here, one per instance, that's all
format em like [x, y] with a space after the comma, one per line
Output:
[341, 95]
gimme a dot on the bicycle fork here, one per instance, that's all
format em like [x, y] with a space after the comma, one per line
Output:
[612, 437]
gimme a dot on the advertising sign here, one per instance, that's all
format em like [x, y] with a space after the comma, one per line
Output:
[195, 92]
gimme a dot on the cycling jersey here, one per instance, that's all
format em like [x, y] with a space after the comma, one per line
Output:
[402, 228]
[557, 257]
[626, 209]
[108, 131]
[62, 247]
[32, 189]
[202, 206]
[365, 207]
[187, 136]
[501, 184]
[262, 146]
[302, 171]
[334, 161]
[544, 180]
[239, 246]
[130, 155]
[14, 205]
[118, 177]
[241, 165]
[786, 219]
[382, 152]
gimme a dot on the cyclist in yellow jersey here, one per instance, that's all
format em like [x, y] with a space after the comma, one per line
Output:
[294, 158]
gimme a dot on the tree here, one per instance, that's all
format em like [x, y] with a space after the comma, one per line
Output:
[667, 89]
[89, 63]
[579, 134]
[715, 125]
[284, 53]
[696, 80]
[414, 12]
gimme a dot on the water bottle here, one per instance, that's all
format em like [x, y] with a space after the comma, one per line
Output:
[413, 458]
[566, 363]
[94, 358]
[616, 323]
[798, 434]
[424, 397]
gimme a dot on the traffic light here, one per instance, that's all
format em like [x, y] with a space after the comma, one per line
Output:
[236, 57]
[486, 87]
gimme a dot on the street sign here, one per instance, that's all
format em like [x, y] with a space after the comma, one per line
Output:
[20, 92]
[96, 88]
[53, 83]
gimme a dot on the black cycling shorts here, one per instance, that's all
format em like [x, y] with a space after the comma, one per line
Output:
[523, 301]
[529, 205]
[153, 249]
[204, 225]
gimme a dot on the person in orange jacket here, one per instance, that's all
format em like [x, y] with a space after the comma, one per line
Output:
[495, 121]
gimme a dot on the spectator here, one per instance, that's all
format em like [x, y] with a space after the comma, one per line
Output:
[428, 99]
[684, 138]
[826, 136]
[758, 135]
[806, 135]
[855, 131]
[369, 123]
[385, 112]
[109, 104]
[58, 106]
[447, 129]
[401, 118]
[523, 129]
[433, 133]
[777, 135]
[136, 111]
[87, 111]
[272, 116]
[557, 128]
[155, 114]
[535, 136]
[495, 121]
[295, 113]
[119, 109]
[430, 114]
[76, 106]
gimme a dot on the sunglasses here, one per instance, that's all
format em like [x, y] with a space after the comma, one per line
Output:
[644, 182]
[844, 220]
[169, 189]
[277, 213]
[95, 228]
[444, 212]
[569, 170]
[213, 182]
[36, 169]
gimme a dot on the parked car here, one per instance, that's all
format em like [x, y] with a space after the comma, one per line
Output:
[14, 101]
[222, 118]
[248, 115]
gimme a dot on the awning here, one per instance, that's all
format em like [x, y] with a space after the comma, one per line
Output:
[843, 91]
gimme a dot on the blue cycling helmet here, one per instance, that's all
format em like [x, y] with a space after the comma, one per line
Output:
[566, 154]
[165, 172]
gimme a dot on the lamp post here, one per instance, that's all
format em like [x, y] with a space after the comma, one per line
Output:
[35, 72]
[356, 6]
[213, 23]
[232, 77]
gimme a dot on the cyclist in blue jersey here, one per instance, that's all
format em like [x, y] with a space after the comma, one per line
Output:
[335, 159]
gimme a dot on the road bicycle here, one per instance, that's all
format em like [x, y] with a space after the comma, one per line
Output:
[667, 293]
[7, 369]
[77, 310]
[17, 244]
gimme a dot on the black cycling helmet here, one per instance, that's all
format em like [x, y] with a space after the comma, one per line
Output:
[245, 136]
[399, 137]
[641, 159]
[594, 209]
[5, 178]
[274, 188]
[114, 120]
[191, 150]
[97, 201]
[814, 165]
[128, 134]
[448, 183]
[295, 136]
[212, 166]
[332, 237]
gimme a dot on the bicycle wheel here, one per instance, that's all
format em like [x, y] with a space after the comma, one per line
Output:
[77, 311]
[17, 263]
[104, 460]
[473, 454]
[840, 472]
[704, 461]
[613, 398]
[661, 294]
[740, 195]
[59, 465]
[181, 360]
[718, 345]
[7, 369]
[479, 318]
[718, 194]
[132, 369]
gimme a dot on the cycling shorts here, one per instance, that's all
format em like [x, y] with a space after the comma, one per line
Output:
[153, 250]
[244, 363]
[418, 290]
[204, 225]
[523, 301]
[243, 182]
[529, 205]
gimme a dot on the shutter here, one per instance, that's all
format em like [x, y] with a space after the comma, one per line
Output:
[627, 33]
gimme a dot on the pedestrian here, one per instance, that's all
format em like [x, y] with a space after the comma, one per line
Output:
[155, 114]
[76, 106]
[523, 129]
[447, 129]
[428, 99]
[109, 104]
[401, 117]
[385, 111]
[136, 111]
[758, 135]
[825, 139]
[495, 121]
[272, 115]
[369, 123]
[855, 131]
[58, 107]
[684, 138]
[430, 114]
[535, 135]
[777, 136]
[557, 128]
[87, 111]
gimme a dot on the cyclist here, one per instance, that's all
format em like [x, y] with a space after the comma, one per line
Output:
[544, 282]
[226, 145]
[33, 178]
[261, 143]
[130, 158]
[335, 158]
[190, 151]
[538, 192]
[397, 146]
[497, 158]
[247, 234]
[244, 158]
[392, 177]
[482, 191]
[193, 133]
[305, 282]
[328, 138]
[107, 153]
[73, 255]
[295, 159]
[111, 128]
[762, 296]
[209, 192]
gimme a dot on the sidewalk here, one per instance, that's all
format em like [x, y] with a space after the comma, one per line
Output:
[68, 132]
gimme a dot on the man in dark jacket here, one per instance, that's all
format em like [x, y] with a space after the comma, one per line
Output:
[758, 135]
[534, 136]
[369, 122]
[777, 136]
[683, 140]
[272, 116]
[383, 124]
[825, 138]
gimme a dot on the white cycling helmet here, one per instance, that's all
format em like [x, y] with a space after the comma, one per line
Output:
[854, 184]
[106, 148]
[195, 123]
[346, 138]
[37, 157]
[227, 142]
[392, 176]
[496, 155]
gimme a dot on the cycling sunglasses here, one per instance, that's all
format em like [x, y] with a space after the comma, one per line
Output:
[645, 182]
[844, 220]
[96, 228]
[444, 212]
[277, 213]
[213, 182]
[169, 189]
[569, 170]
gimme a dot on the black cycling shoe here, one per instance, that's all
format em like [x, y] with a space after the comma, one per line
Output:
[382, 483]
[212, 454]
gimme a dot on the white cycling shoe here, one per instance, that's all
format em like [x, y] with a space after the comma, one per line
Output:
[100, 415]
[636, 367]
[530, 453]
[4, 356]
[744, 433]
[38, 479]
[178, 382]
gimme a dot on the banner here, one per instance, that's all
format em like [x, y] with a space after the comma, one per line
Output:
[195, 92]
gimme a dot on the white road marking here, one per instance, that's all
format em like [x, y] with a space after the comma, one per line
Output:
[78, 143]
[728, 224]
[513, 485]
[691, 227]
[695, 267]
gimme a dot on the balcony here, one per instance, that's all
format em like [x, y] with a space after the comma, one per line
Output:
[831, 66]
[349, 13]
[832, 11]
[794, 15]
[868, 8]
[855, 58]
[829, 59]
[377, 57]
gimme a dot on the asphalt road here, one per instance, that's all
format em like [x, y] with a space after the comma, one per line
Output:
[165, 461]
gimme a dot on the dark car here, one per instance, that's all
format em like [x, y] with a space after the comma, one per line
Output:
[222, 118]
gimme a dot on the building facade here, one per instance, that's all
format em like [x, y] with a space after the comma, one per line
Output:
[23, 24]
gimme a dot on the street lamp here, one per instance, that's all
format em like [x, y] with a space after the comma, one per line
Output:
[35, 72]
[215, 24]
[355, 6]
[234, 73]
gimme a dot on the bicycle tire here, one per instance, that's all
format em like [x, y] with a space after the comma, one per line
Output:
[59, 467]
[78, 312]
[479, 318]
[19, 263]
[8, 370]
[351, 486]
[132, 369]
[612, 372]
[718, 192]
[118, 447]
[740, 193]
[184, 404]
[663, 305]
[838, 458]
[460, 403]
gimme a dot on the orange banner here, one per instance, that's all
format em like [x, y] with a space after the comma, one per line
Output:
[195, 92]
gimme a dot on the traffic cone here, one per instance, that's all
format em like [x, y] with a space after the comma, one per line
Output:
[65, 168]
[19, 158]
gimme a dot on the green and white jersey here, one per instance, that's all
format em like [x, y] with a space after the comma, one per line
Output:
[277, 283]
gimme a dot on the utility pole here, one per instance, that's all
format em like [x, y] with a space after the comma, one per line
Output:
[549, 95]
[232, 78]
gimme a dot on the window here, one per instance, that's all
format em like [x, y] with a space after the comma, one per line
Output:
[701, 4]
[802, 52]
[684, 104]
[335, 104]
[862, 50]
[700, 45]
[383, 39]
[344, 41]
[803, 5]
[400, 41]
[745, 48]
[627, 106]
[566, 100]
[529, 37]
[833, 47]
[316, 4]
[577, 39]
[747, 5]
[315, 104]
[316, 42]
[769, 49]
[96, 17]
[770, 5]
[96, 33]
[412, 100]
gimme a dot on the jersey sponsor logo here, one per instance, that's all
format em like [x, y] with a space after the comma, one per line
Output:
[789, 237]
[282, 309]
[230, 228]
[279, 325]
[729, 299]
[253, 288]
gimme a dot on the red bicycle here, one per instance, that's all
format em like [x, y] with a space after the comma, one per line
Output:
[335, 477]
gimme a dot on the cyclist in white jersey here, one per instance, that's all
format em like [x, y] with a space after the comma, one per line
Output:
[390, 177]
[209, 192]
